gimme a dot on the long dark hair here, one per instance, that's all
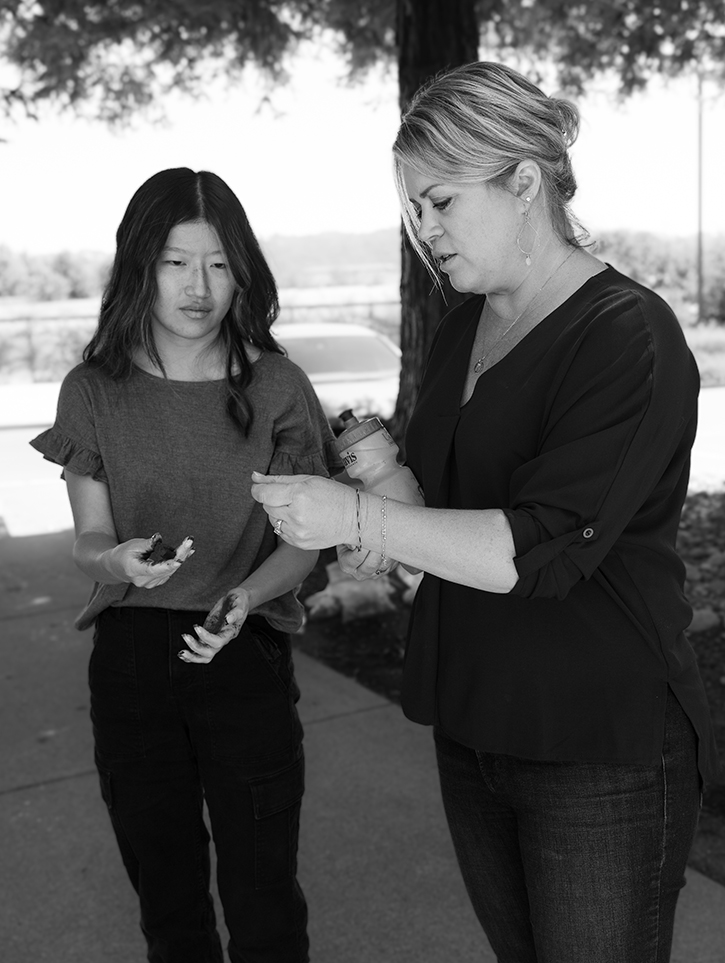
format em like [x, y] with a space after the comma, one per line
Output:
[172, 197]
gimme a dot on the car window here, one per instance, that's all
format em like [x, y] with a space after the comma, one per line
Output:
[352, 355]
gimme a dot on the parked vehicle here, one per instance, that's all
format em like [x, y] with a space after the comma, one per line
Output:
[349, 365]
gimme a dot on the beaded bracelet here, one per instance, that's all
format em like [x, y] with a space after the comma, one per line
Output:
[383, 535]
[358, 547]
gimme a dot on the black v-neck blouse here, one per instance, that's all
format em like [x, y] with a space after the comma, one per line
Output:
[582, 435]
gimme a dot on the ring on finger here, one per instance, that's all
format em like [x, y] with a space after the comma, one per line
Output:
[278, 526]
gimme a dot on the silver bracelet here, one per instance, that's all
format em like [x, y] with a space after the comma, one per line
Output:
[383, 535]
[358, 547]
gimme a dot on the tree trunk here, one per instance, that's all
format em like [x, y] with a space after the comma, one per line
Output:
[432, 35]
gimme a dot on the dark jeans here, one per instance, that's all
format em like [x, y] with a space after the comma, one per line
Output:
[574, 862]
[170, 735]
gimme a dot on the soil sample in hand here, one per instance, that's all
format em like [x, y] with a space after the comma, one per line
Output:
[215, 623]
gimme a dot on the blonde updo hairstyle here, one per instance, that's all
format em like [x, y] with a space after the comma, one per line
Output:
[477, 123]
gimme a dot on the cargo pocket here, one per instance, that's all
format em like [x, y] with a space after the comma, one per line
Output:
[128, 854]
[113, 681]
[277, 800]
[106, 786]
[275, 653]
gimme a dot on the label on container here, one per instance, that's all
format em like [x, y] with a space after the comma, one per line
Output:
[356, 433]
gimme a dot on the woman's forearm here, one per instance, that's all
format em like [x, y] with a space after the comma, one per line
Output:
[280, 572]
[466, 546]
[474, 548]
[92, 555]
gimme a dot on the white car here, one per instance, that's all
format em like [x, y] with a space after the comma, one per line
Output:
[349, 365]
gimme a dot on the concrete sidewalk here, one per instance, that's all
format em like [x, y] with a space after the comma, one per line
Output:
[376, 861]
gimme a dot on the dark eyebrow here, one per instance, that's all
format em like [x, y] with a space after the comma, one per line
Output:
[181, 250]
[428, 189]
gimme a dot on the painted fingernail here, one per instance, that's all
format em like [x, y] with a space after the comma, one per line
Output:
[183, 655]
[200, 641]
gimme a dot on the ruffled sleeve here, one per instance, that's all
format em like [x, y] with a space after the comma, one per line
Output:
[58, 447]
[322, 461]
[72, 441]
[304, 443]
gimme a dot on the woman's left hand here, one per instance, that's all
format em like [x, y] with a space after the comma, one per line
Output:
[307, 511]
[221, 625]
[363, 565]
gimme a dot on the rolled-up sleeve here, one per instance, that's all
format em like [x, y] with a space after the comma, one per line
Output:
[620, 423]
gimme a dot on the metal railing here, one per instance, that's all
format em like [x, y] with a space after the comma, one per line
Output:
[37, 348]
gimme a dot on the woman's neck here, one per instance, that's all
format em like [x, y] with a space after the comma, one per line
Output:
[510, 303]
[191, 362]
[562, 268]
[185, 361]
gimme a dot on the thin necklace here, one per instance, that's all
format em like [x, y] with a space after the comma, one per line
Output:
[478, 366]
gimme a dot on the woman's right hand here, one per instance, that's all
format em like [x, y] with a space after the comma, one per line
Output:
[126, 563]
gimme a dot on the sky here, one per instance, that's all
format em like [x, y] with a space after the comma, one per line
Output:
[317, 158]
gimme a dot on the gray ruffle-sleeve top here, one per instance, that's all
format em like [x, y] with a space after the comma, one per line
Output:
[175, 463]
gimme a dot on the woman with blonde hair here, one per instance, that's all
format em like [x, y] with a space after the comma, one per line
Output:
[552, 438]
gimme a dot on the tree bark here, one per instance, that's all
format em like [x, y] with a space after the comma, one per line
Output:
[432, 35]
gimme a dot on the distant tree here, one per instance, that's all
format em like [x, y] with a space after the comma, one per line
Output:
[40, 277]
[42, 282]
[662, 263]
[30, 276]
[85, 272]
[114, 59]
[11, 272]
[668, 266]
[714, 289]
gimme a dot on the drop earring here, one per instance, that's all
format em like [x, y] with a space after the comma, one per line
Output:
[527, 223]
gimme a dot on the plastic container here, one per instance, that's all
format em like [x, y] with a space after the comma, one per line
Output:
[369, 453]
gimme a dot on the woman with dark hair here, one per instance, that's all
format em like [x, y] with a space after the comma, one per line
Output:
[551, 436]
[183, 391]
